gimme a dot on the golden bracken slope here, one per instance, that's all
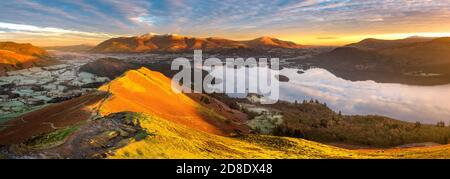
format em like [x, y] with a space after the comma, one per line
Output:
[150, 92]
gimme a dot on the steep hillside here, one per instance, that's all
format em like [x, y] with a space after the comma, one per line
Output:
[350, 58]
[139, 90]
[150, 92]
[431, 56]
[15, 56]
[378, 44]
[175, 43]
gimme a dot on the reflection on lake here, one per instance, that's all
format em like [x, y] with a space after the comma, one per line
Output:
[426, 104]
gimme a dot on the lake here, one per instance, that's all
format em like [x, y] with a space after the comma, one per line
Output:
[426, 104]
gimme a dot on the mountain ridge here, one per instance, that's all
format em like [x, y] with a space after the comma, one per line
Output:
[156, 97]
[176, 43]
[378, 44]
[16, 56]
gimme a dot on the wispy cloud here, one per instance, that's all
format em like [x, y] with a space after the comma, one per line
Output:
[48, 35]
[48, 30]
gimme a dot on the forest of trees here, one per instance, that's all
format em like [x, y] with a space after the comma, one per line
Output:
[313, 120]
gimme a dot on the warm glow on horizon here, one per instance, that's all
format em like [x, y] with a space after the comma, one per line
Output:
[303, 40]
[344, 40]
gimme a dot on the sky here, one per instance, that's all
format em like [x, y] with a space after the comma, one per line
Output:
[308, 22]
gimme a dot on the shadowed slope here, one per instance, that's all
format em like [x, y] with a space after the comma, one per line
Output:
[379, 44]
[416, 61]
[108, 67]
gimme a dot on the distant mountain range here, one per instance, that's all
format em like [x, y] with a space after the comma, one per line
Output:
[15, 56]
[176, 43]
[415, 60]
[379, 44]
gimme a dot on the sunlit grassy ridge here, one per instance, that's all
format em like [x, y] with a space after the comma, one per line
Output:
[169, 140]
[14, 53]
[150, 92]
[15, 56]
